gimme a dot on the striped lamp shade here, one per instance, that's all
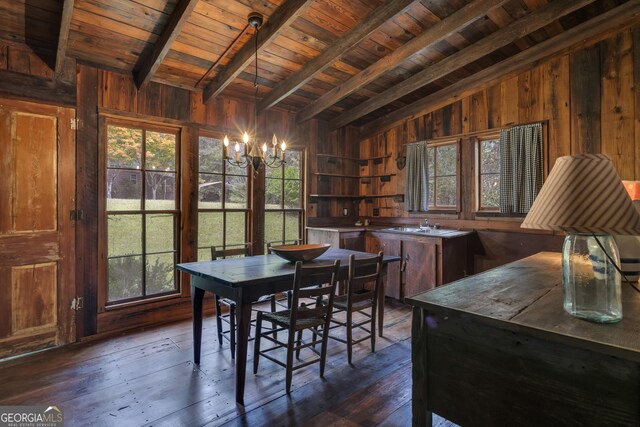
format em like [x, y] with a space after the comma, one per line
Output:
[583, 194]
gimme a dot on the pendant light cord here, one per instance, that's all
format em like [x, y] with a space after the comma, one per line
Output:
[635, 288]
[255, 95]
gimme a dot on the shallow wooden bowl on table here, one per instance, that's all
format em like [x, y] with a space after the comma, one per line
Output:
[303, 253]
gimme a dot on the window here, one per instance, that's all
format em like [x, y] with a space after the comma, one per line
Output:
[223, 202]
[284, 200]
[488, 181]
[142, 212]
[443, 175]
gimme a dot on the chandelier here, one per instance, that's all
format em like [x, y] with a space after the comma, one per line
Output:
[273, 156]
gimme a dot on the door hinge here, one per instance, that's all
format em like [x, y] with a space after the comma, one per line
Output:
[76, 303]
[76, 124]
[76, 215]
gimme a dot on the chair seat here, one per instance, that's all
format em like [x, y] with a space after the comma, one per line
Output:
[229, 302]
[283, 318]
[340, 303]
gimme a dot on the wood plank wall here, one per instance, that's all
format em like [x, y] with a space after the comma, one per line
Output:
[118, 96]
[589, 100]
[97, 93]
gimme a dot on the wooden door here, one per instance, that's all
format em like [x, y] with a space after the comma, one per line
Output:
[420, 266]
[37, 236]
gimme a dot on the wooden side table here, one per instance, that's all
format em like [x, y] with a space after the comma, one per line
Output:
[498, 349]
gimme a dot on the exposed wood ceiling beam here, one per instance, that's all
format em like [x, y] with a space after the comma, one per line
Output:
[63, 36]
[613, 20]
[279, 20]
[523, 26]
[148, 65]
[436, 33]
[332, 54]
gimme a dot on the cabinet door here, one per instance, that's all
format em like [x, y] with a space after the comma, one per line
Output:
[419, 260]
[388, 247]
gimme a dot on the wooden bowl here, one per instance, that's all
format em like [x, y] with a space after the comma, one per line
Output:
[295, 253]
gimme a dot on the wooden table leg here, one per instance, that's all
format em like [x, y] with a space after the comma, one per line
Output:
[197, 297]
[243, 328]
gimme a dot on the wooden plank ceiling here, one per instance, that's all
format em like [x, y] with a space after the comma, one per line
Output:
[345, 61]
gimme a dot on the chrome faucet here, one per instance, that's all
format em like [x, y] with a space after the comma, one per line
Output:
[425, 224]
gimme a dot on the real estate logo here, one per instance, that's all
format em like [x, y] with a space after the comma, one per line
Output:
[31, 416]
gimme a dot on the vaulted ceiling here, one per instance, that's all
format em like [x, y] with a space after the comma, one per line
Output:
[346, 61]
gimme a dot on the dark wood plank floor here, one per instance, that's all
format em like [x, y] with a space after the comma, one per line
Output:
[148, 378]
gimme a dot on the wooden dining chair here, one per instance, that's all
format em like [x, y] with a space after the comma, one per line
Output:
[310, 281]
[363, 285]
[229, 317]
[283, 242]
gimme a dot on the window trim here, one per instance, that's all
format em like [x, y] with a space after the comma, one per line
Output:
[103, 304]
[434, 144]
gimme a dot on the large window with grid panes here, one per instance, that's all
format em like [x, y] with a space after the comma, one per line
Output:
[223, 199]
[142, 211]
[284, 207]
[442, 158]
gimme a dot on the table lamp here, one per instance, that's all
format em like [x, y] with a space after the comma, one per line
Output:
[584, 197]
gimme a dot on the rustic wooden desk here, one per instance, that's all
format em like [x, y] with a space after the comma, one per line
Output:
[244, 280]
[498, 349]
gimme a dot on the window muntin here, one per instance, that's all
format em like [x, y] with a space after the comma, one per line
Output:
[443, 175]
[284, 199]
[223, 199]
[142, 212]
[488, 179]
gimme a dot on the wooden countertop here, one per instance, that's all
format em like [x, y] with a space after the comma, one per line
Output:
[437, 234]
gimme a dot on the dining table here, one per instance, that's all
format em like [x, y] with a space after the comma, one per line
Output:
[244, 280]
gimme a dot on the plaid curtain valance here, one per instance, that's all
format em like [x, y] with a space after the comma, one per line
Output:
[521, 168]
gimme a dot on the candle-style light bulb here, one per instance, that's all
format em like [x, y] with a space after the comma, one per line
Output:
[283, 147]
[274, 141]
[245, 138]
[226, 147]
[237, 152]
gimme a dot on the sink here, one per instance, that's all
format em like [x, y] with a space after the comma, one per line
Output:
[423, 231]
[407, 229]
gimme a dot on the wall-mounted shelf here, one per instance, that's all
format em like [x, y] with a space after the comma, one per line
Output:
[381, 196]
[335, 196]
[354, 196]
[336, 175]
[376, 160]
[334, 156]
[339, 175]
